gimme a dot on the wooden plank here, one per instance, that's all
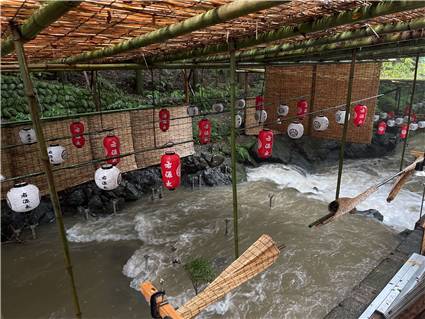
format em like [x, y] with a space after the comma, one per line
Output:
[147, 289]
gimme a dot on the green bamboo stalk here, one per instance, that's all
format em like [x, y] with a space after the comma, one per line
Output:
[233, 145]
[338, 38]
[412, 96]
[376, 9]
[347, 115]
[35, 116]
[221, 14]
[39, 21]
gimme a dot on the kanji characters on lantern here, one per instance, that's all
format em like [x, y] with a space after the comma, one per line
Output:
[382, 127]
[265, 143]
[413, 126]
[403, 131]
[238, 120]
[111, 144]
[204, 128]
[360, 113]
[391, 123]
[27, 135]
[164, 120]
[77, 131]
[57, 154]
[421, 124]
[218, 107]
[192, 110]
[302, 108]
[240, 104]
[376, 118]
[399, 120]
[340, 116]
[259, 102]
[260, 116]
[170, 169]
[107, 177]
[23, 197]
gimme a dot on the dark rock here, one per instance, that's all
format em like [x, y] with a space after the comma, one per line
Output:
[43, 214]
[131, 192]
[216, 160]
[96, 205]
[373, 213]
[215, 177]
[76, 198]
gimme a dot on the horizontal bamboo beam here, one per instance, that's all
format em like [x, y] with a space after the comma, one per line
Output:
[221, 14]
[376, 9]
[337, 38]
[38, 21]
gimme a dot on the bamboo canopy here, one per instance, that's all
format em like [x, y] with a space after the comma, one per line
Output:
[152, 33]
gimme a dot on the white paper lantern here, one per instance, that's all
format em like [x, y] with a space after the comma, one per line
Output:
[27, 135]
[320, 123]
[192, 110]
[218, 107]
[376, 118]
[23, 197]
[421, 124]
[240, 104]
[399, 120]
[295, 130]
[260, 116]
[238, 121]
[107, 177]
[2, 178]
[340, 116]
[383, 115]
[391, 123]
[57, 154]
[413, 126]
[283, 110]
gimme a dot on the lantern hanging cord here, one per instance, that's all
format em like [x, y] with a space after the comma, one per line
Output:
[97, 161]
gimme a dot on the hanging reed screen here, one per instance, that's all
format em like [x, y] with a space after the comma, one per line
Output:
[135, 130]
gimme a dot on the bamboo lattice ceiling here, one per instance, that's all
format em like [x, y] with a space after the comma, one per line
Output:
[99, 24]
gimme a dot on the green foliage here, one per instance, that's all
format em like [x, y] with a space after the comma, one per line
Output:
[200, 272]
[242, 155]
[403, 69]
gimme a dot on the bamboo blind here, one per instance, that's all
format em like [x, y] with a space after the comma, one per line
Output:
[98, 24]
[129, 126]
[285, 84]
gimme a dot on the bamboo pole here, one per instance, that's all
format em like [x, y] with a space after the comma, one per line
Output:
[233, 145]
[345, 129]
[218, 15]
[374, 10]
[38, 21]
[35, 116]
[365, 33]
[312, 97]
[139, 81]
[412, 96]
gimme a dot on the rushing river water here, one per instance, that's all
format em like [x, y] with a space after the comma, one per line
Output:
[313, 273]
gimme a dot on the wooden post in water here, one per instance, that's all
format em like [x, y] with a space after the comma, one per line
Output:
[233, 144]
[35, 117]
[345, 129]
[410, 111]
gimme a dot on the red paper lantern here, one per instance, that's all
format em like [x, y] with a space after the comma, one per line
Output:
[382, 127]
[403, 132]
[265, 143]
[259, 102]
[111, 144]
[164, 120]
[170, 169]
[204, 126]
[77, 131]
[360, 112]
[302, 107]
[78, 141]
[391, 115]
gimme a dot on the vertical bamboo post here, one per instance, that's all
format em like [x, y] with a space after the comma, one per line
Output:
[35, 117]
[246, 84]
[412, 96]
[345, 129]
[422, 248]
[233, 144]
[398, 99]
[186, 86]
[139, 81]
[312, 97]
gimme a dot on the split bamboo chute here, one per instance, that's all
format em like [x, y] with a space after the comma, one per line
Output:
[344, 205]
[257, 258]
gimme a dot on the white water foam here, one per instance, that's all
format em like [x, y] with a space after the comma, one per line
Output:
[357, 176]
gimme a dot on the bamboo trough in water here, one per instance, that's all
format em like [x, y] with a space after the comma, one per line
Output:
[344, 205]
[257, 258]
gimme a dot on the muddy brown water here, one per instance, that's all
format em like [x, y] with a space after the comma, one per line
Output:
[112, 255]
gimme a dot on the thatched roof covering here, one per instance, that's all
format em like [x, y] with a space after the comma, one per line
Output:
[99, 24]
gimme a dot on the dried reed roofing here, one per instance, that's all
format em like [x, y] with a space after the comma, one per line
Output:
[99, 24]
